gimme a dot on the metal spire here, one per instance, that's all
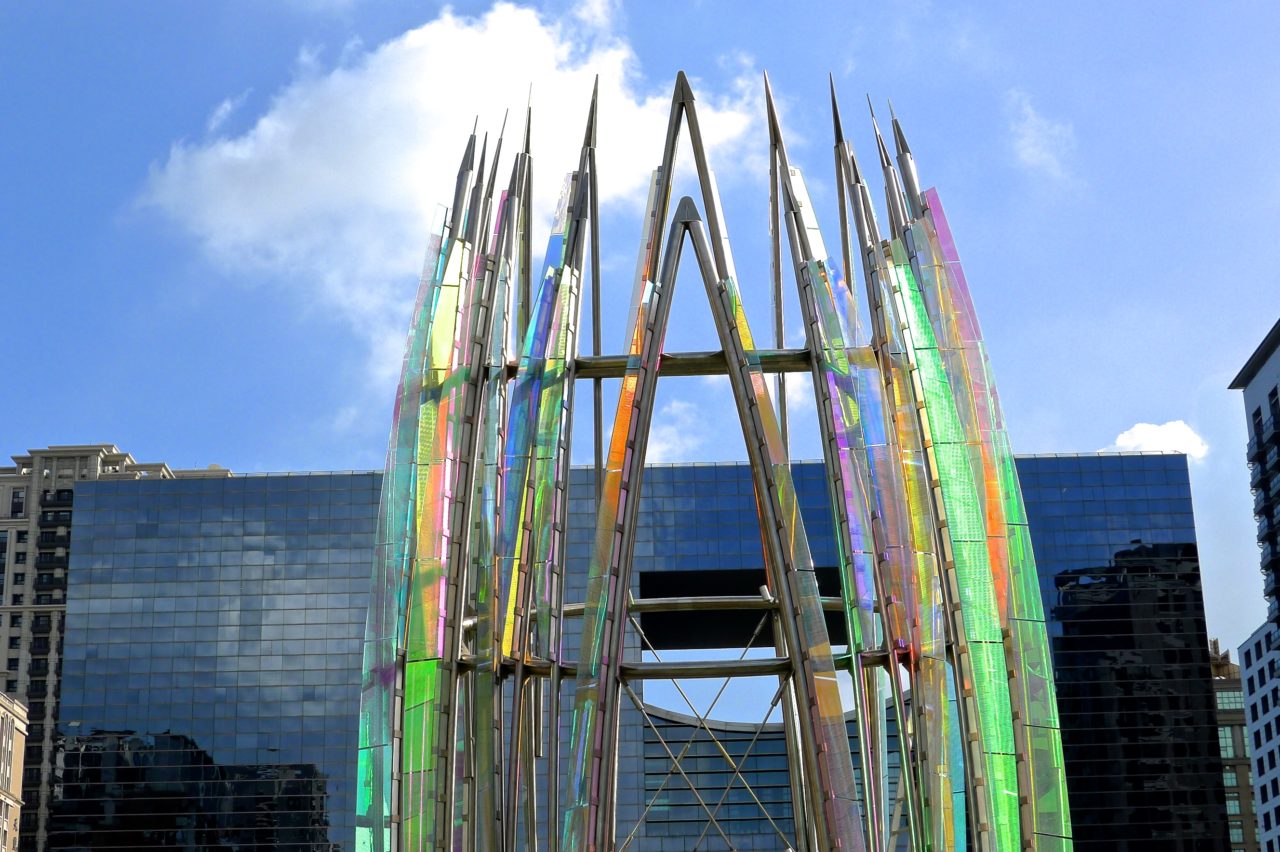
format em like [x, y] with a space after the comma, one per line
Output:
[907, 163]
[892, 190]
[474, 215]
[864, 216]
[497, 154]
[464, 180]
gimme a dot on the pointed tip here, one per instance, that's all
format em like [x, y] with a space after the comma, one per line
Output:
[589, 137]
[899, 138]
[506, 113]
[687, 211]
[771, 109]
[475, 124]
[684, 92]
[528, 128]
[884, 151]
[837, 125]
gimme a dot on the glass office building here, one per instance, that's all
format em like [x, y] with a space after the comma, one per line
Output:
[212, 663]
[213, 631]
[1116, 548]
[1115, 541]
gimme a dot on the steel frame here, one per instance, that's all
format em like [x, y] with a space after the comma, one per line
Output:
[464, 684]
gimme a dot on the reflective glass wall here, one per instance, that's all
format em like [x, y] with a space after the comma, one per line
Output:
[212, 663]
[1115, 544]
[213, 629]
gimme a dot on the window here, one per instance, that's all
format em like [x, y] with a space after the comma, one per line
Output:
[1229, 778]
[10, 686]
[1230, 699]
[1226, 743]
[18, 503]
[15, 642]
[15, 620]
[19, 557]
[21, 537]
[1233, 803]
[17, 600]
[13, 664]
[19, 578]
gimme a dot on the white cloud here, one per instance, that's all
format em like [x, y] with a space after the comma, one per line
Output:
[679, 430]
[1172, 437]
[597, 14]
[223, 111]
[1040, 144]
[333, 189]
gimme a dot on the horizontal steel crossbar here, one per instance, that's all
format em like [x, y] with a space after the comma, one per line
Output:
[703, 603]
[709, 363]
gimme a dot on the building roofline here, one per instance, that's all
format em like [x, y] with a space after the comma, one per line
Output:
[1269, 344]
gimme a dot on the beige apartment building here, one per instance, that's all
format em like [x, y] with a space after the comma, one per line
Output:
[1233, 743]
[37, 503]
[13, 742]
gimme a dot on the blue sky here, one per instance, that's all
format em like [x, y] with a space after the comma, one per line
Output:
[213, 214]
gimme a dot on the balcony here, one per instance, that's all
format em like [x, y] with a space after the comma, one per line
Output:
[51, 584]
[53, 539]
[1270, 556]
[42, 626]
[47, 561]
[56, 499]
[1261, 499]
[54, 519]
[41, 648]
[38, 689]
[1264, 434]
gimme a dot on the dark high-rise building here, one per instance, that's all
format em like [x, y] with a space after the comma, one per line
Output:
[213, 629]
[1115, 546]
[211, 666]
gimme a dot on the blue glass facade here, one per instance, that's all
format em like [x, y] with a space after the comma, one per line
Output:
[1115, 543]
[212, 663]
[1114, 537]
